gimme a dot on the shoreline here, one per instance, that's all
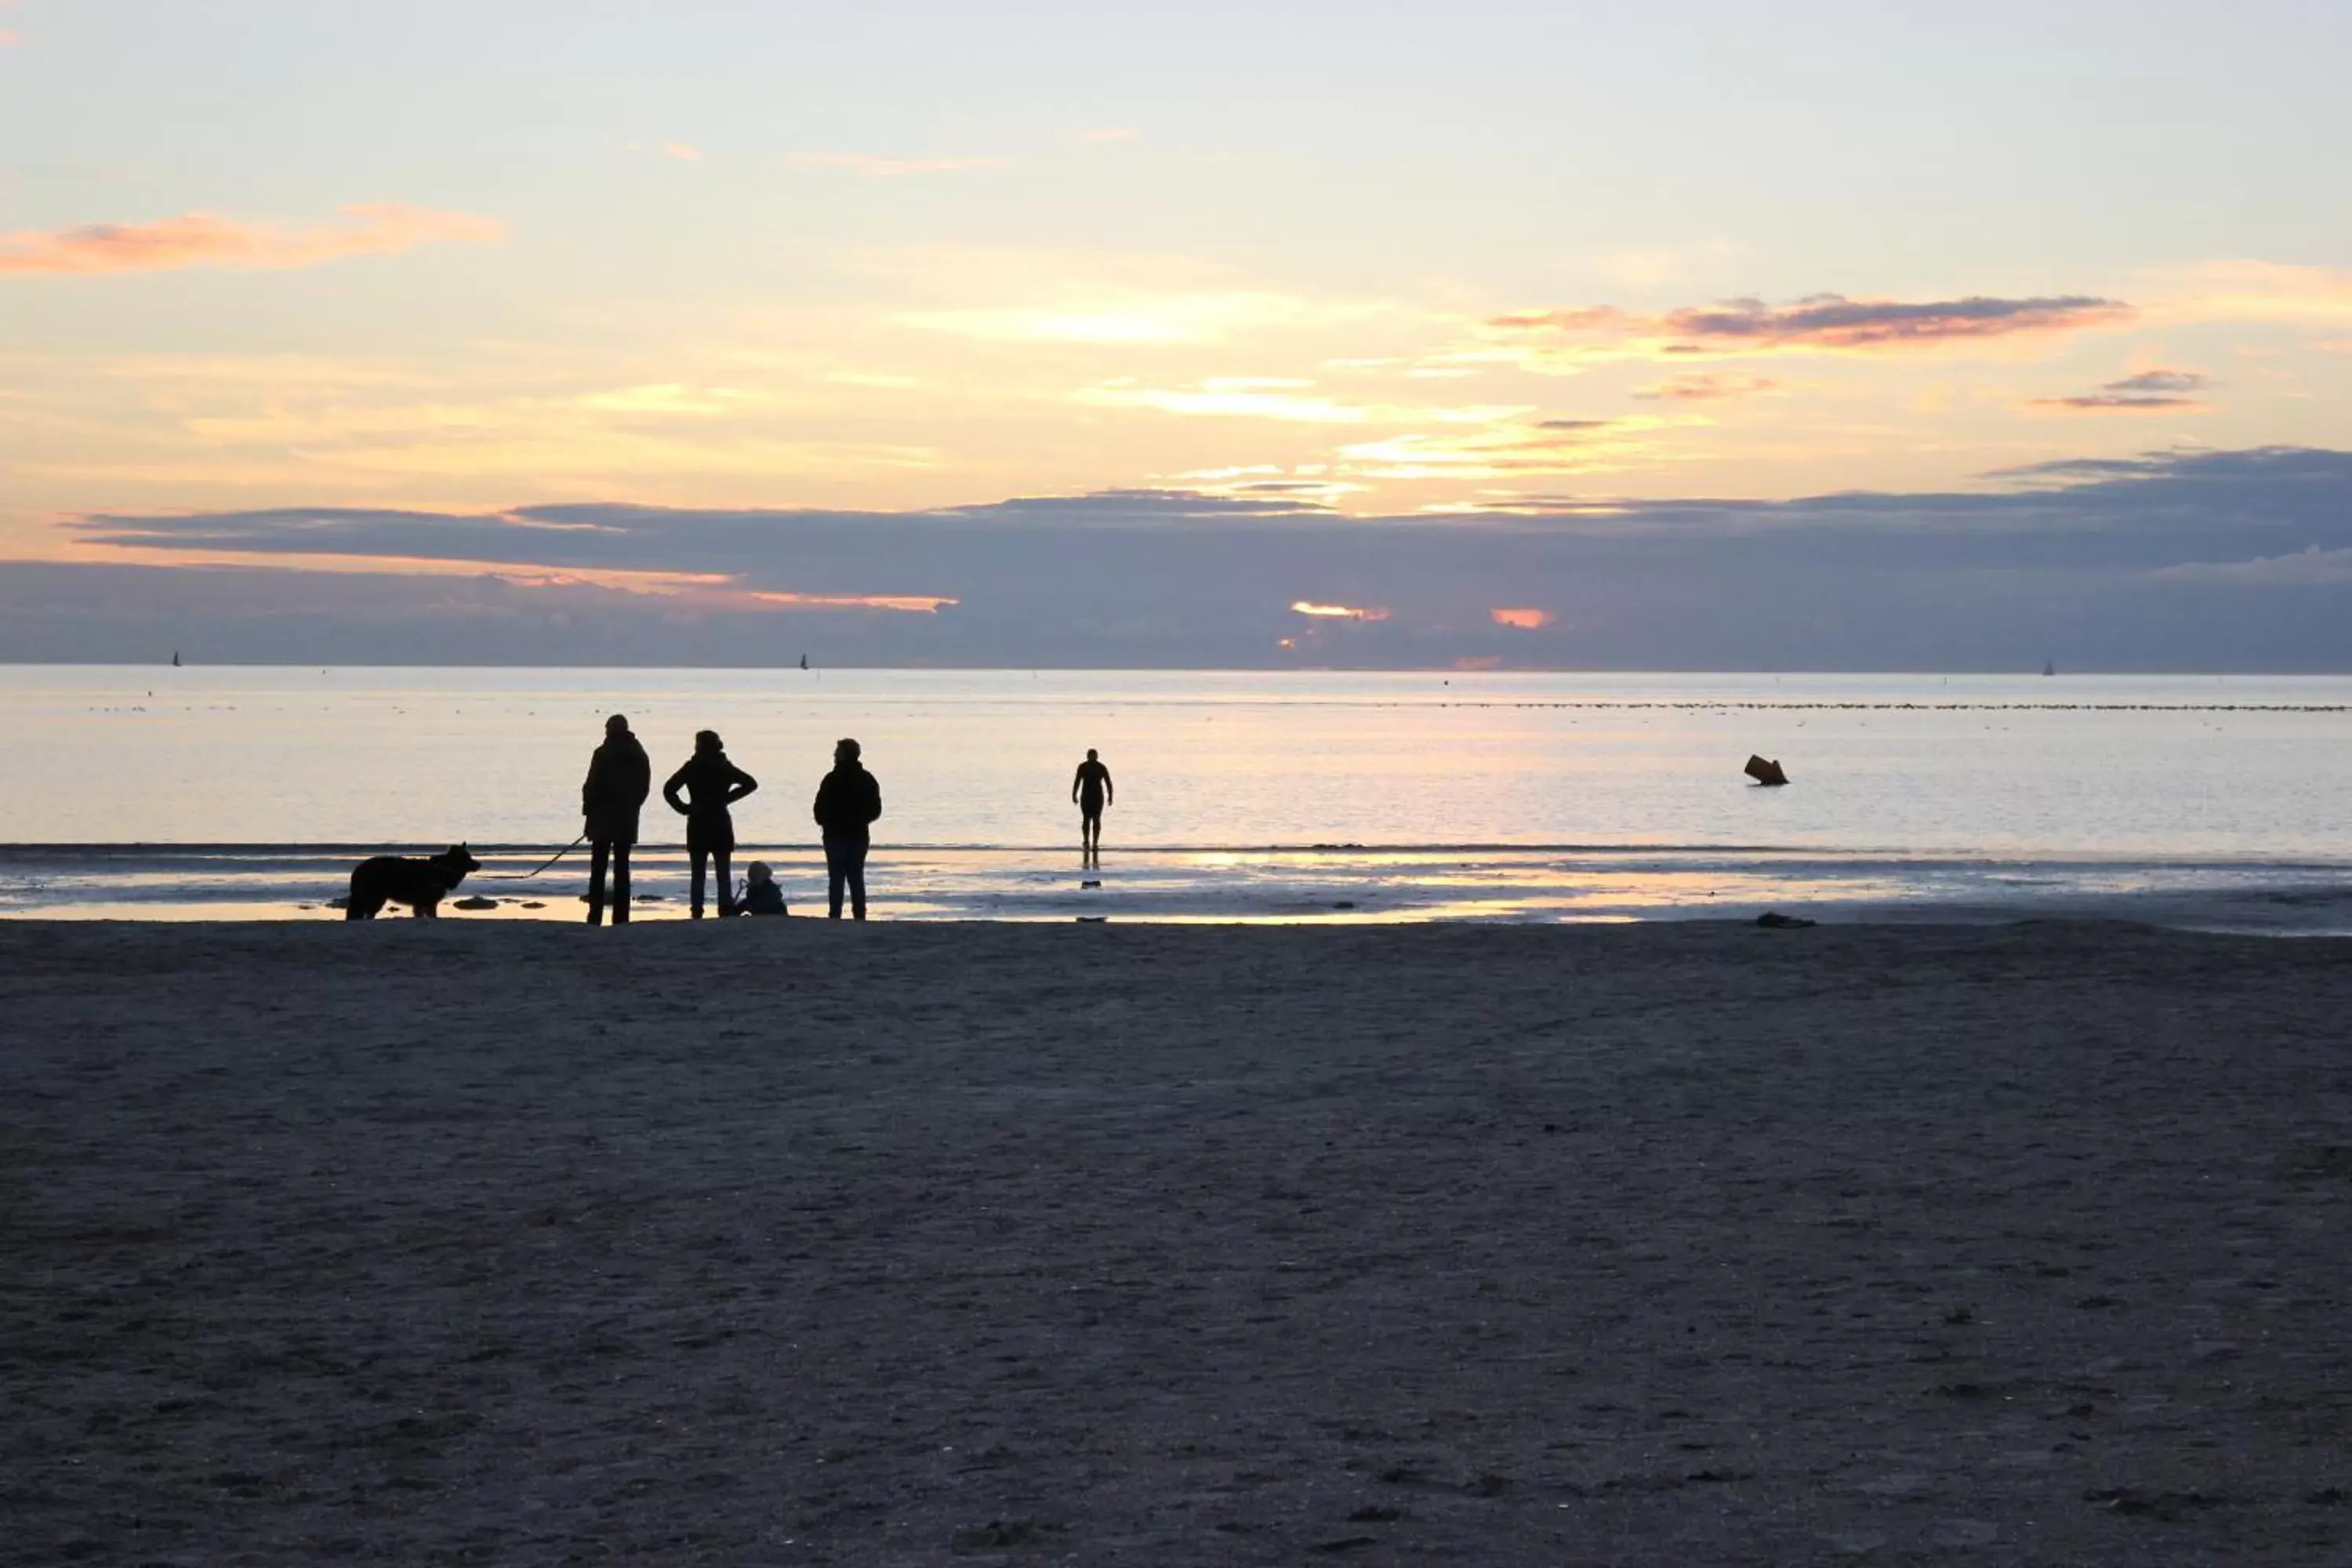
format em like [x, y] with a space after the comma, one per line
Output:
[2297, 896]
[1682, 1242]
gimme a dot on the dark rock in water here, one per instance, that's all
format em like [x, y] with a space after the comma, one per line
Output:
[535, 905]
[1092, 919]
[1764, 771]
[648, 899]
[1345, 904]
[1772, 919]
[475, 902]
[1091, 882]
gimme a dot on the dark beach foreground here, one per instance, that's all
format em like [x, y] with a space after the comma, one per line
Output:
[781, 1242]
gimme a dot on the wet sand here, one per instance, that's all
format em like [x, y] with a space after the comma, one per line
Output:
[780, 1242]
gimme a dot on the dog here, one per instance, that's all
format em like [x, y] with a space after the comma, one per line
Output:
[421, 884]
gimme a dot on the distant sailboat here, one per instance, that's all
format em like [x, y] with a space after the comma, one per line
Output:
[175, 659]
[2048, 667]
[803, 661]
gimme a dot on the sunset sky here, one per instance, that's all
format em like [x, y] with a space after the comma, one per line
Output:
[1477, 262]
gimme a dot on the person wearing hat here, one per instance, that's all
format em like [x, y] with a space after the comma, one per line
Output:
[761, 894]
[712, 784]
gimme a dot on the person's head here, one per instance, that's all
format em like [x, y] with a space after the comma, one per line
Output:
[708, 740]
[1090, 754]
[616, 726]
[846, 750]
[760, 872]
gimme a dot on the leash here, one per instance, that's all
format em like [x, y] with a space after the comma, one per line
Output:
[527, 876]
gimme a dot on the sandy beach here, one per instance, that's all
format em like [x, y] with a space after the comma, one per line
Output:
[783, 1242]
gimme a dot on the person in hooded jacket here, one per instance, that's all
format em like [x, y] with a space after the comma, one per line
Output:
[712, 784]
[620, 776]
[848, 803]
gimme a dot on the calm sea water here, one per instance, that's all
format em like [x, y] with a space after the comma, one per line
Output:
[2224, 801]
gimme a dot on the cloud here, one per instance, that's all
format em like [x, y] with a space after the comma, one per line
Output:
[1505, 450]
[2262, 291]
[2308, 566]
[684, 152]
[1822, 323]
[1140, 318]
[1280, 398]
[201, 239]
[906, 604]
[1109, 133]
[877, 166]
[1522, 619]
[2148, 390]
[1703, 386]
[2168, 560]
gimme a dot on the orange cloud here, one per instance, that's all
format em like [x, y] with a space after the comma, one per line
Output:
[1110, 133]
[1337, 612]
[874, 166]
[1525, 620]
[201, 239]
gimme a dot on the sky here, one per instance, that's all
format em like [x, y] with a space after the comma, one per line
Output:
[1467, 334]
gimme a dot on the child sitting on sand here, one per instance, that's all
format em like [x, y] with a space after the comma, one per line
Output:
[761, 894]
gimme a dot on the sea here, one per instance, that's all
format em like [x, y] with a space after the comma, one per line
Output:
[2218, 803]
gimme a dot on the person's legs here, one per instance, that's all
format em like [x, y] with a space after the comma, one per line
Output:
[619, 884]
[701, 858]
[856, 873]
[835, 859]
[596, 883]
[723, 866]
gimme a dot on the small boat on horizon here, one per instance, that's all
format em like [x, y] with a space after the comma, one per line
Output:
[2048, 667]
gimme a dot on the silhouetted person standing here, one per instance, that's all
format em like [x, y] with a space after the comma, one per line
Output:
[620, 776]
[1091, 788]
[847, 803]
[714, 783]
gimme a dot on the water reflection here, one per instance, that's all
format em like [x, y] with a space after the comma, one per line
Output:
[1271, 886]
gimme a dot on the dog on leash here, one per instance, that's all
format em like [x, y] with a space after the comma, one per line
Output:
[420, 883]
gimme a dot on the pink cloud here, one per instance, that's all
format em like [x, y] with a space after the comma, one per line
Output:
[1704, 387]
[1821, 323]
[201, 239]
[1110, 133]
[2149, 392]
[1522, 619]
[906, 603]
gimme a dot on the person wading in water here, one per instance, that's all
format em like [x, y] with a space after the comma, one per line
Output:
[1091, 788]
[620, 776]
[714, 783]
[847, 802]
